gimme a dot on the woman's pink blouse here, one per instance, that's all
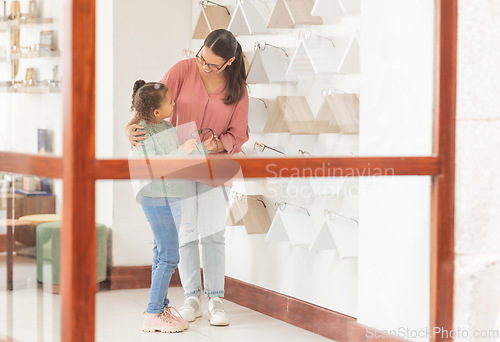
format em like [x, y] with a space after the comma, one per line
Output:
[193, 104]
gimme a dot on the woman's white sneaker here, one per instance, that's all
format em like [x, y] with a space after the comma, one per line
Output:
[191, 309]
[216, 313]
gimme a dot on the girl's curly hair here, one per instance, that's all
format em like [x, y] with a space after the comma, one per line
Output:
[147, 97]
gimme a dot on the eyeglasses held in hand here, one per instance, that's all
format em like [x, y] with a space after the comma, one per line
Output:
[262, 46]
[282, 206]
[203, 134]
[239, 197]
[332, 215]
[261, 147]
[211, 67]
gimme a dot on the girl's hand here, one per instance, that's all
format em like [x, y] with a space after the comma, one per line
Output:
[133, 136]
[189, 146]
[210, 143]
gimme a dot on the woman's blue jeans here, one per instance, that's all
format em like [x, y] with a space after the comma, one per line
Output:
[164, 216]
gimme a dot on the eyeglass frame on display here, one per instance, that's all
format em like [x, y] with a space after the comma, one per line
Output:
[205, 2]
[238, 196]
[278, 204]
[330, 212]
[303, 153]
[258, 45]
[264, 146]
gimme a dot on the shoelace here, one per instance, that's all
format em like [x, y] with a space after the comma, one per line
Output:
[168, 312]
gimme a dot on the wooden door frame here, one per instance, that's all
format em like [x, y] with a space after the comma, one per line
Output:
[79, 170]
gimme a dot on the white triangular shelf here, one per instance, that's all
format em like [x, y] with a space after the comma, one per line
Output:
[323, 240]
[314, 56]
[290, 114]
[351, 5]
[327, 8]
[288, 13]
[246, 20]
[211, 18]
[267, 67]
[257, 115]
[343, 236]
[293, 225]
[350, 62]
[327, 185]
[251, 213]
[339, 113]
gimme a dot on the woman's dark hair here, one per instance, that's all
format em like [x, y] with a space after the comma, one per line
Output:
[224, 44]
[147, 97]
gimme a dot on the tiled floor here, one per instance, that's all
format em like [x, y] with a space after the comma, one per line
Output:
[30, 314]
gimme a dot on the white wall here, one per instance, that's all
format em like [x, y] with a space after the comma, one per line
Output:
[396, 119]
[477, 219]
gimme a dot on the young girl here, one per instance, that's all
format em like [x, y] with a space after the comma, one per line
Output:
[161, 199]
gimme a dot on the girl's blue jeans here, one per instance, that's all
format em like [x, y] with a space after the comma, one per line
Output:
[164, 216]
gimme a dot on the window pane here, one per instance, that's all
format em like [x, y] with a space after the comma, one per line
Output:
[30, 78]
[346, 85]
[30, 210]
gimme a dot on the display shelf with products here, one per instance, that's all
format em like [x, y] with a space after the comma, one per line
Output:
[342, 111]
[249, 211]
[260, 114]
[5, 25]
[289, 13]
[351, 60]
[212, 17]
[337, 232]
[267, 66]
[292, 225]
[314, 56]
[35, 54]
[246, 20]
[290, 114]
[328, 8]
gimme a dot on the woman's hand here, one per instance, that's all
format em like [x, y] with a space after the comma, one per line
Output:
[210, 144]
[218, 147]
[189, 146]
[133, 136]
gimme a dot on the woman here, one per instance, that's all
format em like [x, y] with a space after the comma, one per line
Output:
[209, 90]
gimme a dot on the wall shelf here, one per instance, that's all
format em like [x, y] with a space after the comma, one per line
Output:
[340, 234]
[211, 18]
[339, 113]
[351, 5]
[290, 114]
[36, 54]
[250, 212]
[328, 8]
[314, 56]
[267, 67]
[21, 22]
[289, 13]
[257, 115]
[293, 225]
[350, 62]
[31, 89]
[246, 20]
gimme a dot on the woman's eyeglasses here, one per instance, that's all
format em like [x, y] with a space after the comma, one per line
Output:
[261, 147]
[212, 67]
[203, 134]
[332, 215]
[282, 206]
[237, 196]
